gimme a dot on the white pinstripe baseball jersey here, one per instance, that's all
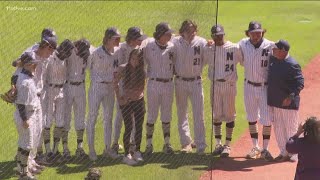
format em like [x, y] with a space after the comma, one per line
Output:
[124, 52]
[103, 64]
[27, 94]
[159, 62]
[56, 71]
[227, 57]
[76, 68]
[189, 61]
[256, 60]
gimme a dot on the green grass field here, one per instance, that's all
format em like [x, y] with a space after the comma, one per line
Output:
[295, 21]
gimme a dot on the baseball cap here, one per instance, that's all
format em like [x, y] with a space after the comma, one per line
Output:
[282, 45]
[217, 30]
[112, 32]
[52, 41]
[28, 58]
[135, 33]
[163, 28]
[66, 45]
[255, 26]
[48, 32]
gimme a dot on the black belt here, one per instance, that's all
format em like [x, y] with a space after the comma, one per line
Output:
[162, 79]
[56, 85]
[221, 80]
[105, 82]
[255, 83]
[76, 83]
[188, 79]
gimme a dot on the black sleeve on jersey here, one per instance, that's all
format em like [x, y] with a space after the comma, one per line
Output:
[14, 79]
[22, 112]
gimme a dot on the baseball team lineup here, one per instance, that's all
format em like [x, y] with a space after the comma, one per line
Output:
[48, 88]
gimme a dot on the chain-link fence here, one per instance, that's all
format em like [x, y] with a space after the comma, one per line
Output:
[22, 23]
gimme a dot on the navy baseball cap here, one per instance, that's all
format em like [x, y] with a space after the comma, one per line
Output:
[48, 32]
[163, 28]
[282, 45]
[255, 26]
[112, 32]
[28, 58]
[52, 41]
[135, 33]
[217, 30]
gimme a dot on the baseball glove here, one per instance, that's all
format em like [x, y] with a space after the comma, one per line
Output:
[83, 46]
[10, 96]
[93, 174]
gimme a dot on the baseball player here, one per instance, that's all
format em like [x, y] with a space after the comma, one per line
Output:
[42, 52]
[256, 51]
[105, 59]
[285, 82]
[222, 72]
[134, 38]
[188, 83]
[159, 59]
[76, 92]
[56, 78]
[46, 33]
[27, 114]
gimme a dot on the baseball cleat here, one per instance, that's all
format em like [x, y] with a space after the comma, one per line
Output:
[281, 158]
[129, 160]
[137, 156]
[217, 150]
[266, 155]
[167, 149]
[42, 160]
[186, 149]
[226, 151]
[66, 154]
[34, 170]
[110, 153]
[149, 149]
[254, 153]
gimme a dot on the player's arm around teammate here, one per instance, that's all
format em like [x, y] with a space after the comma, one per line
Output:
[188, 85]
[104, 61]
[131, 102]
[222, 58]
[159, 58]
[56, 78]
[256, 50]
[75, 92]
[28, 113]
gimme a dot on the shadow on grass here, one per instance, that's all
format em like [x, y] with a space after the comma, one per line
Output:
[168, 161]
[74, 165]
[6, 169]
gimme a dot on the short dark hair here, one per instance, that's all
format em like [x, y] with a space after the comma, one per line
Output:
[311, 130]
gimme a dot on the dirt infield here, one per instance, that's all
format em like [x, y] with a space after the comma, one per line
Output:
[238, 168]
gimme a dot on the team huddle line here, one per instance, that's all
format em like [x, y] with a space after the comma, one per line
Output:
[49, 85]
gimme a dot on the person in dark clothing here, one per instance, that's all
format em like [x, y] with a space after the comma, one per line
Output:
[285, 81]
[131, 102]
[308, 148]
